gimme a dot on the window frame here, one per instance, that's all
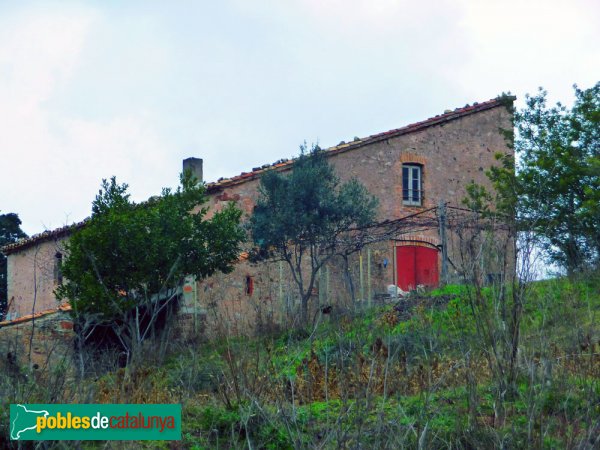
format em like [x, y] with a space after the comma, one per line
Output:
[410, 201]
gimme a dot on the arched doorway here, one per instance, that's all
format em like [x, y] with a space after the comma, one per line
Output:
[416, 265]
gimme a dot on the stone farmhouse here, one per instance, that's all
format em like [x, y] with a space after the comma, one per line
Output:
[410, 169]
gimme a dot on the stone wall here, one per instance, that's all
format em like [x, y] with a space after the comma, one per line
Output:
[39, 343]
[273, 302]
[33, 274]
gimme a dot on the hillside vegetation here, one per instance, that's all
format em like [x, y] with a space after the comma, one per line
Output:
[411, 374]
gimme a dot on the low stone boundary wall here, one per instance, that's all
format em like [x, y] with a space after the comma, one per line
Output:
[39, 342]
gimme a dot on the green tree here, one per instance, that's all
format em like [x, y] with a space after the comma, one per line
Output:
[307, 216]
[550, 201]
[555, 190]
[559, 175]
[125, 267]
[10, 231]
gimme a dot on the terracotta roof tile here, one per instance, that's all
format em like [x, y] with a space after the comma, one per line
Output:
[43, 236]
[64, 308]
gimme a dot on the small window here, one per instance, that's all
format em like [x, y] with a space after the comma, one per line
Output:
[58, 276]
[412, 192]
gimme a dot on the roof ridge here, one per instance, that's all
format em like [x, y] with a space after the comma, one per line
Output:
[285, 163]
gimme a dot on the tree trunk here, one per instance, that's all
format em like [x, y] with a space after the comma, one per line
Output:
[304, 308]
[348, 277]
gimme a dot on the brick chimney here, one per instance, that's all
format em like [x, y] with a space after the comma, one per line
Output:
[195, 166]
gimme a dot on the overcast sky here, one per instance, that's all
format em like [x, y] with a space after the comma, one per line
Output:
[129, 88]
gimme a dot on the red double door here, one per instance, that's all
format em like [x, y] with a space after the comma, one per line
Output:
[416, 265]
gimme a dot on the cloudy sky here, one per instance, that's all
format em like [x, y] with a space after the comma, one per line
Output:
[92, 89]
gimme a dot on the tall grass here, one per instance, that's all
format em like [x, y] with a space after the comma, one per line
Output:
[412, 374]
